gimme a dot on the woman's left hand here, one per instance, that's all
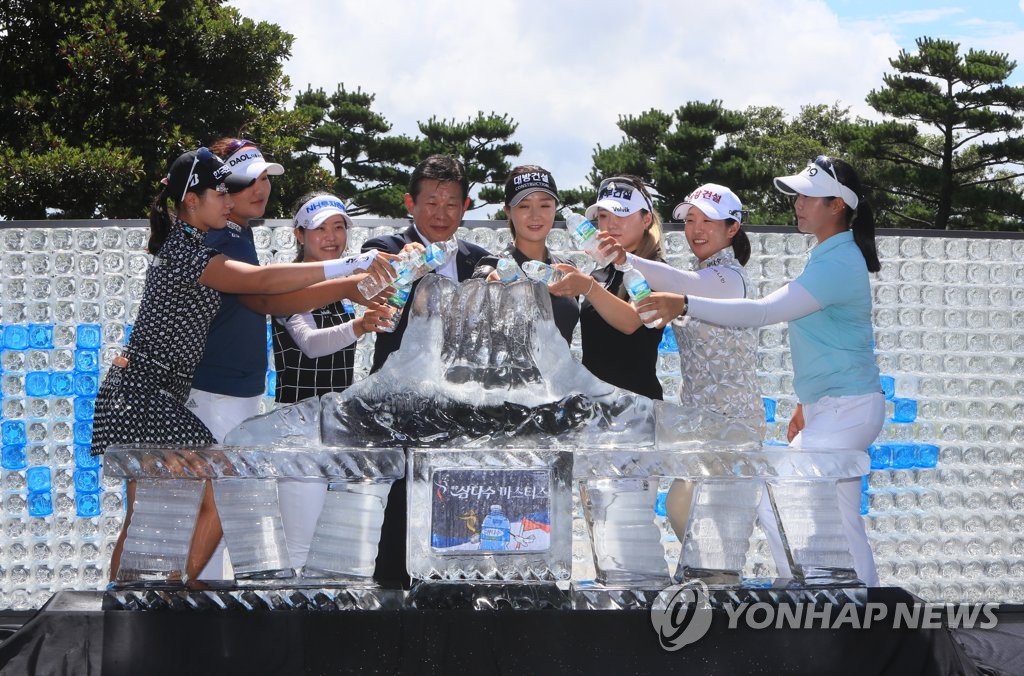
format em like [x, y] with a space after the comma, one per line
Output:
[376, 318]
[662, 306]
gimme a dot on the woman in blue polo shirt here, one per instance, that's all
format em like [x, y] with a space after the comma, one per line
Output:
[828, 308]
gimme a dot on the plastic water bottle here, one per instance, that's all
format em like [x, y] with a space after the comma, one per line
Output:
[397, 301]
[494, 535]
[584, 233]
[410, 266]
[637, 288]
[508, 270]
[542, 272]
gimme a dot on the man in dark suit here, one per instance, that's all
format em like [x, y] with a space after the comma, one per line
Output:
[437, 200]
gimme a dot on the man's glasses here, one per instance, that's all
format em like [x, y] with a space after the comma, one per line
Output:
[203, 154]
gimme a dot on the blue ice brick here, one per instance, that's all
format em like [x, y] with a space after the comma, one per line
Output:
[40, 336]
[87, 361]
[888, 386]
[270, 337]
[85, 408]
[127, 332]
[668, 341]
[16, 337]
[271, 383]
[927, 455]
[13, 432]
[84, 458]
[40, 504]
[87, 480]
[770, 406]
[83, 432]
[903, 455]
[659, 505]
[775, 442]
[13, 457]
[62, 383]
[86, 384]
[87, 504]
[865, 503]
[89, 336]
[37, 383]
[2, 335]
[904, 410]
[865, 483]
[881, 456]
[37, 479]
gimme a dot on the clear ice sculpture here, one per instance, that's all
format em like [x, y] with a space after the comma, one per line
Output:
[169, 483]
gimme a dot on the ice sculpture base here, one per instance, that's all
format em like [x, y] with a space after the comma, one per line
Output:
[728, 485]
[593, 595]
[228, 597]
[487, 595]
[170, 481]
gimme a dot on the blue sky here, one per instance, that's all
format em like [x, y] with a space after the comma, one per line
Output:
[565, 70]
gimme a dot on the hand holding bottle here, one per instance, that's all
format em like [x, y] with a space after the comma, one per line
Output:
[584, 233]
[660, 307]
[611, 247]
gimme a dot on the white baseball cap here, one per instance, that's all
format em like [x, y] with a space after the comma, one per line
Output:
[619, 196]
[318, 209]
[818, 179]
[715, 201]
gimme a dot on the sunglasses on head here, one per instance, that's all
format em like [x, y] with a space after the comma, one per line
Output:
[606, 188]
[825, 162]
[203, 154]
[237, 145]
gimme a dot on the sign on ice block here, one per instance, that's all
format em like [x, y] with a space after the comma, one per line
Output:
[490, 514]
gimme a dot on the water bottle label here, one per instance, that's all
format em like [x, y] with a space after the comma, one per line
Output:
[586, 231]
[399, 298]
[639, 290]
[492, 534]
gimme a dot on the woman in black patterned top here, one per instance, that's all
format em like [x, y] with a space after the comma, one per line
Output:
[142, 399]
[314, 352]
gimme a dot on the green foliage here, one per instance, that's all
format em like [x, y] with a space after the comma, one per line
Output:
[151, 77]
[778, 146]
[36, 186]
[964, 174]
[675, 153]
[370, 168]
[483, 144]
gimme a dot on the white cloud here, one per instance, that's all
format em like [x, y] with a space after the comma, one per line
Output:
[565, 71]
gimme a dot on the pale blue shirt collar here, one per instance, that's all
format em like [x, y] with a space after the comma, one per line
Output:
[831, 243]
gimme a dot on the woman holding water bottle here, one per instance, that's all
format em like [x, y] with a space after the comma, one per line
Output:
[314, 352]
[617, 347]
[718, 365]
[142, 398]
[531, 202]
[828, 311]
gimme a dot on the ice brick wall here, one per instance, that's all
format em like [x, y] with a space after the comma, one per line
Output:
[944, 502]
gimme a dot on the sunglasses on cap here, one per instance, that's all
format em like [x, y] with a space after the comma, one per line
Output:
[607, 188]
[203, 154]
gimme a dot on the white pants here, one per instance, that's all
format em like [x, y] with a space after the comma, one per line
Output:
[301, 503]
[221, 414]
[837, 423]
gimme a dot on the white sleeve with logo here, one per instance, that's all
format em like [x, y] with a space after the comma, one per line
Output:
[712, 282]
